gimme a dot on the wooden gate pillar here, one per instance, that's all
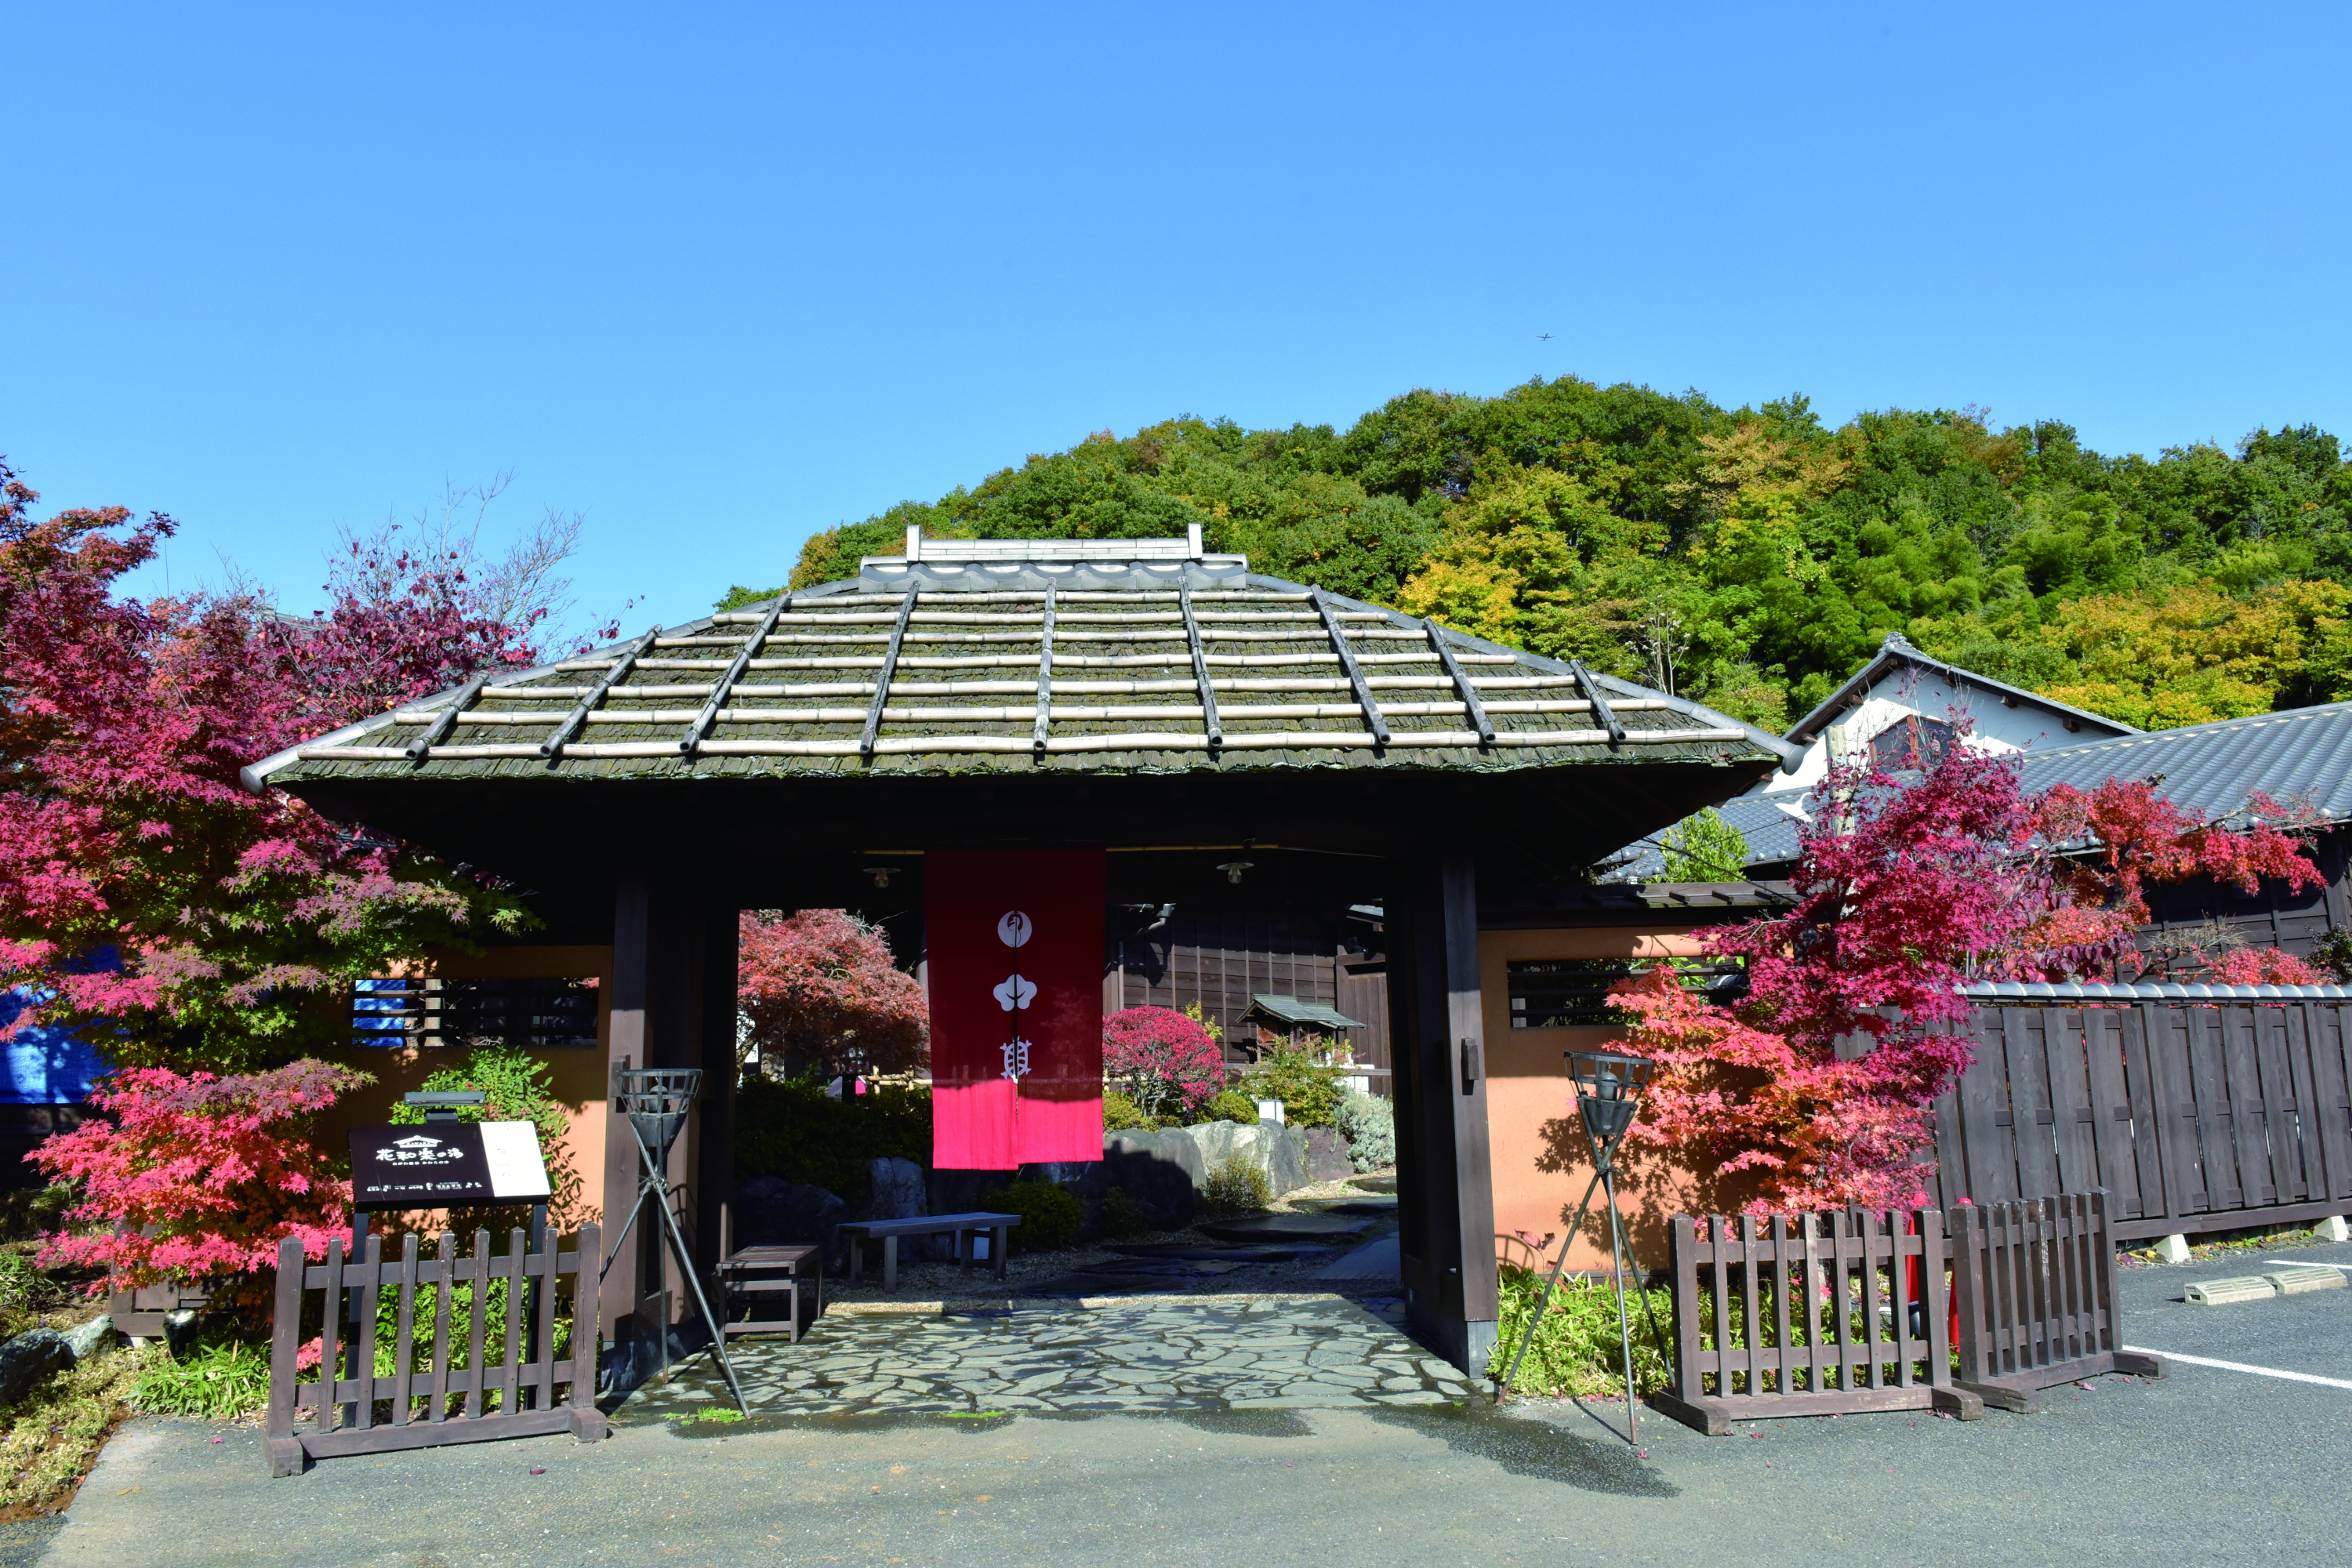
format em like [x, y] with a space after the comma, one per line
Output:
[1445, 1193]
[665, 959]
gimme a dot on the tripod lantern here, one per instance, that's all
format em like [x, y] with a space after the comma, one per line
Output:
[1608, 1088]
[656, 1100]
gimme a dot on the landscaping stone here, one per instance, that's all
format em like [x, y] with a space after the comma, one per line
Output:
[897, 1191]
[85, 1340]
[30, 1357]
[771, 1210]
[1327, 1156]
[1162, 1171]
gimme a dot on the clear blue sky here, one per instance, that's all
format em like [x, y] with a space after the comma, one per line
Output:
[722, 278]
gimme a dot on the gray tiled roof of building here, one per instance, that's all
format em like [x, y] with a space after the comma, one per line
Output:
[1087, 665]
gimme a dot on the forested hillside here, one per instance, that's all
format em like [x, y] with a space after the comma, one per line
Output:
[1750, 558]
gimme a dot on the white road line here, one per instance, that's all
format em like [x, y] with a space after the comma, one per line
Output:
[2241, 1366]
[2299, 1263]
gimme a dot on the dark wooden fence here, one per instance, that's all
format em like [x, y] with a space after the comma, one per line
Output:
[2034, 1292]
[1811, 1314]
[523, 1382]
[2196, 1108]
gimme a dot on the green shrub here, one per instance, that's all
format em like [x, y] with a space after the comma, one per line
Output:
[1369, 1124]
[1227, 1106]
[1050, 1214]
[1577, 1350]
[212, 1381]
[1309, 1092]
[1237, 1184]
[796, 1131]
[1121, 1114]
[1122, 1217]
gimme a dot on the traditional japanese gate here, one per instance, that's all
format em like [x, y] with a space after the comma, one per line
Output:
[1197, 722]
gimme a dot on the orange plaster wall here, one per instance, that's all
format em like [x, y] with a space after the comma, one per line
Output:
[579, 1077]
[1526, 1086]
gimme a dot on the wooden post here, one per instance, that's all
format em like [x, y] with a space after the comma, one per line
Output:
[284, 1337]
[1444, 1179]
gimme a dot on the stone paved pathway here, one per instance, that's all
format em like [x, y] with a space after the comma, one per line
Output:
[1212, 1355]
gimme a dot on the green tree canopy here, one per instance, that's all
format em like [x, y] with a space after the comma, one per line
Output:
[1749, 557]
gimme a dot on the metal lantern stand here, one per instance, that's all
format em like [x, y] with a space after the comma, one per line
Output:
[655, 1099]
[1608, 1092]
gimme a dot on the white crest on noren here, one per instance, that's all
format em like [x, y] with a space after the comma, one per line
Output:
[1013, 928]
[1016, 991]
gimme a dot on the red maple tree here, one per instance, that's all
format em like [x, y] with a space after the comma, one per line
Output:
[198, 1177]
[1162, 1060]
[818, 991]
[145, 895]
[1818, 1089]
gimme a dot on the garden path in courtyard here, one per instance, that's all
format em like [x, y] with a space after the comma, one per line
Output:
[1183, 1353]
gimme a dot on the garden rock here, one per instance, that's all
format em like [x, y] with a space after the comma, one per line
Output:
[1280, 1152]
[1162, 1171]
[85, 1340]
[29, 1358]
[1327, 1156]
[770, 1211]
[897, 1190]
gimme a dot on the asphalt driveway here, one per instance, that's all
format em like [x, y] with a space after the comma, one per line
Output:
[2206, 1464]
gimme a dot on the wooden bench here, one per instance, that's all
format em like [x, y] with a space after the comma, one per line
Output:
[753, 1271]
[963, 1225]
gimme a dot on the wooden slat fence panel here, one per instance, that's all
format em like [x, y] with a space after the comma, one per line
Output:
[1839, 1312]
[2190, 1116]
[343, 1415]
[2034, 1293]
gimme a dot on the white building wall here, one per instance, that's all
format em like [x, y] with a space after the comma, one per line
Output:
[1904, 692]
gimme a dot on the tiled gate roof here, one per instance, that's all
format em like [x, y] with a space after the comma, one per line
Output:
[925, 667]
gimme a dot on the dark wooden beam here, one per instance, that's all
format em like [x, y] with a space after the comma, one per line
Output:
[718, 699]
[1477, 711]
[1339, 645]
[1200, 672]
[1045, 680]
[882, 677]
[552, 747]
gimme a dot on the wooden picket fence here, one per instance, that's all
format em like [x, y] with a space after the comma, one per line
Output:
[1784, 1317]
[523, 1384]
[2035, 1288]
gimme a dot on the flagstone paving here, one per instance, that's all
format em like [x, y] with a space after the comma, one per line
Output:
[1316, 1353]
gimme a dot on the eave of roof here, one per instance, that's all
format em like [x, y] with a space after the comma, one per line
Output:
[2300, 757]
[1293, 1010]
[1393, 702]
[1897, 650]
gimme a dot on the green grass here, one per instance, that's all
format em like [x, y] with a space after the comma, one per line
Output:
[1576, 1349]
[48, 1438]
[212, 1381]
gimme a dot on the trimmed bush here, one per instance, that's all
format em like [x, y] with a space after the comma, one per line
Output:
[1237, 1184]
[1122, 1217]
[1167, 1063]
[1049, 1214]
[797, 1131]
[1369, 1124]
[1308, 1091]
[1229, 1106]
[1121, 1114]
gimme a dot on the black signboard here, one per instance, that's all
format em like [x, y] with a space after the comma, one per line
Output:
[441, 1164]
